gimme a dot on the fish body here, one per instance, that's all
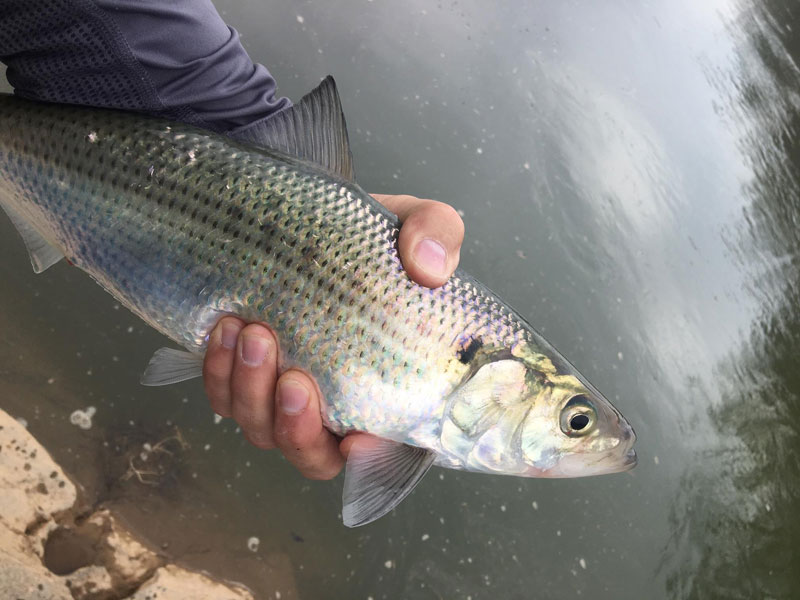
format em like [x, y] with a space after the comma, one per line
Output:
[184, 226]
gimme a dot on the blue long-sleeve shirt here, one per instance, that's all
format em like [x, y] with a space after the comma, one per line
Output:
[175, 59]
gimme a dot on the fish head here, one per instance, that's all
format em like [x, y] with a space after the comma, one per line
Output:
[571, 430]
[532, 414]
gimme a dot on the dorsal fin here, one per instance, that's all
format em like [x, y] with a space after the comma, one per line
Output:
[313, 129]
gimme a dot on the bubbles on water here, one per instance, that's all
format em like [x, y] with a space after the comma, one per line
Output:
[253, 543]
[22, 422]
[83, 418]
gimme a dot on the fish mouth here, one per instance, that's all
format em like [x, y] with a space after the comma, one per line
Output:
[578, 465]
[630, 460]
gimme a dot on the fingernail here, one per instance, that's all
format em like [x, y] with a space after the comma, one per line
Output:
[229, 334]
[254, 350]
[432, 256]
[292, 397]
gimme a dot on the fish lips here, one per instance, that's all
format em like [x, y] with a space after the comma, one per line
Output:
[577, 465]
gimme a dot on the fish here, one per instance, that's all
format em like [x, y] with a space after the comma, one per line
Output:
[184, 226]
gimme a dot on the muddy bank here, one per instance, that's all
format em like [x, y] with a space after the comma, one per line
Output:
[55, 544]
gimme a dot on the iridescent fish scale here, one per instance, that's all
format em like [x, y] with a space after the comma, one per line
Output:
[184, 226]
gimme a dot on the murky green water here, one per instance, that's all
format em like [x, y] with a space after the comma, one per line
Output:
[629, 175]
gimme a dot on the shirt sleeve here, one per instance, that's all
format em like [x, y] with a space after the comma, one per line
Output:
[175, 59]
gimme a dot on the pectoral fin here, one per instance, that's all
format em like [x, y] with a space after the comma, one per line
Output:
[42, 253]
[171, 366]
[379, 475]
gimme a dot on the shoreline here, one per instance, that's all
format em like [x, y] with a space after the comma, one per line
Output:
[53, 546]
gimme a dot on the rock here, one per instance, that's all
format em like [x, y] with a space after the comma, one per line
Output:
[128, 561]
[91, 583]
[99, 557]
[32, 485]
[175, 583]
[47, 553]
[22, 575]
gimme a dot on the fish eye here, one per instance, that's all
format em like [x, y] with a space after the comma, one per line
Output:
[578, 416]
[578, 422]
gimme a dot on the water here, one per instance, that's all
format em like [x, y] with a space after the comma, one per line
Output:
[628, 175]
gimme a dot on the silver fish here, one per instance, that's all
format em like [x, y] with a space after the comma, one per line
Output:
[183, 226]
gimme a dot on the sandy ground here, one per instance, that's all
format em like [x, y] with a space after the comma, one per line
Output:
[54, 545]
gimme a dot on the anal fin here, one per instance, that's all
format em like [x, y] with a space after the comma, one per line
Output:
[380, 473]
[42, 253]
[172, 366]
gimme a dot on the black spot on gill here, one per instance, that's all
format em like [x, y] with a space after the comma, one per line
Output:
[466, 353]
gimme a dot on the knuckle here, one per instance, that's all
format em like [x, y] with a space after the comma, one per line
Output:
[214, 370]
[248, 417]
[259, 440]
[293, 440]
[449, 215]
[440, 217]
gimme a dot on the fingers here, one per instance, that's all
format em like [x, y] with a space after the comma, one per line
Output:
[239, 374]
[255, 370]
[430, 237]
[298, 428]
[218, 364]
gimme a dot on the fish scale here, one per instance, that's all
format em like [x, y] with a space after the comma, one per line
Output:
[141, 205]
[184, 226]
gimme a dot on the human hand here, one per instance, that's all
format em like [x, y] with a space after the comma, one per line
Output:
[240, 371]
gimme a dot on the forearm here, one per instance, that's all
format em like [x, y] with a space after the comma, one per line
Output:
[175, 59]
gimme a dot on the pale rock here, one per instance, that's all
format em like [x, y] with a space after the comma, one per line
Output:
[33, 487]
[35, 502]
[128, 561]
[88, 583]
[174, 583]
[22, 575]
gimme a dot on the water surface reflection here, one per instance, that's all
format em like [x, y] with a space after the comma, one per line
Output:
[629, 180]
[736, 512]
